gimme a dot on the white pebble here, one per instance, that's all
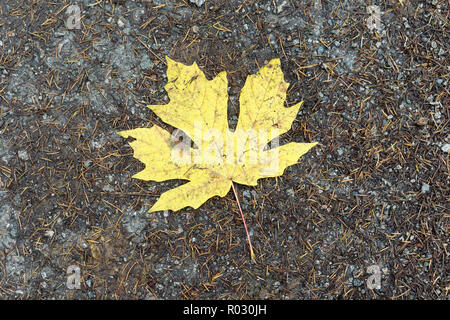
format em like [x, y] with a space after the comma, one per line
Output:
[23, 154]
[425, 188]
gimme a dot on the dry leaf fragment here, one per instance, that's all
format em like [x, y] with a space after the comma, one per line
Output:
[198, 107]
[422, 121]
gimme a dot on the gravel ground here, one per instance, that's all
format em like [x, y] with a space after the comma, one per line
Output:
[374, 192]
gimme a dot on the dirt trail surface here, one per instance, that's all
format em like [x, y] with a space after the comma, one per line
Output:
[363, 215]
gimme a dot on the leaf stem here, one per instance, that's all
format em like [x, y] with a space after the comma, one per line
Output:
[252, 254]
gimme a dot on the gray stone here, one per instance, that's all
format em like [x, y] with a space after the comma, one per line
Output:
[146, 63]
[199, 3]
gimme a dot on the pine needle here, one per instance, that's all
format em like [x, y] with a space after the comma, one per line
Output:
[252, 254]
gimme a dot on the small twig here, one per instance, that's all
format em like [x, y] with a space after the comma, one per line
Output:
[252, 254]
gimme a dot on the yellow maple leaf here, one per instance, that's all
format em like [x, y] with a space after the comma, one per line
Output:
[211, 156]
